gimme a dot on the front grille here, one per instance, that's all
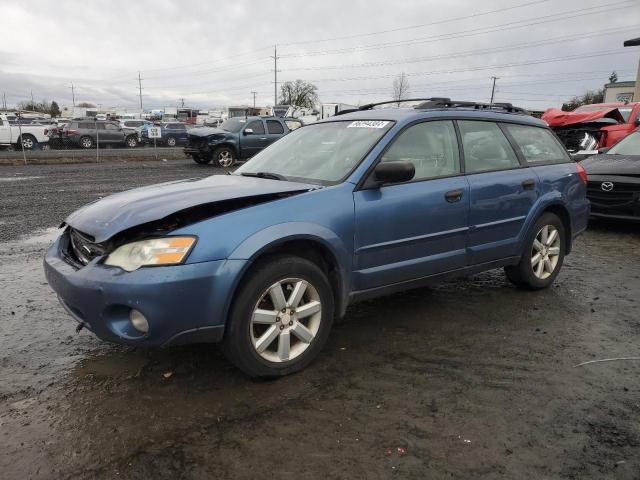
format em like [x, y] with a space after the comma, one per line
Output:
[623, 198]
[83, 248]
[196, 142]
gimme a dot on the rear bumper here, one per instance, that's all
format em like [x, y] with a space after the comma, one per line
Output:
[183, 303]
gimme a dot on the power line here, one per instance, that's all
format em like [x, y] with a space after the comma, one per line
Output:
[471, 32]
[438, 22]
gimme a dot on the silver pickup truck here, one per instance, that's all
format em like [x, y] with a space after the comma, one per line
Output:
[32, 136]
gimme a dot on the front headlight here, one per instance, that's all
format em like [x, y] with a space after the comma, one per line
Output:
[157, 251]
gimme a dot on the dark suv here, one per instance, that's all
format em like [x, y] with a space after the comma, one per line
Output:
[172, 134]
[349, 208]
[88, 133]
[238, 138]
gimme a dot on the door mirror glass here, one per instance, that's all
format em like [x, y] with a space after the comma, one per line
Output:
[394, 172]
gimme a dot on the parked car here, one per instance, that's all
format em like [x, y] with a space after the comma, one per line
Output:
[237, 138]
[348, 208]
[614, 180]
[31, 136]
[172, 134]
[132, 129]
[88, 133]
[594, 126]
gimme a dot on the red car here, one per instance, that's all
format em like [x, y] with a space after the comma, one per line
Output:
[595, 126]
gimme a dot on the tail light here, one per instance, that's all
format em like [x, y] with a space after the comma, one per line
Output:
[582, 173]
[46, 131]
[72, 132]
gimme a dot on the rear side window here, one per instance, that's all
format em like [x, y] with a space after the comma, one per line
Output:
[133, 124]
[485, 147]
[86, 125]
[176, 126]
[538, 145]
[432, 147]
[274, 127]
[257, 126]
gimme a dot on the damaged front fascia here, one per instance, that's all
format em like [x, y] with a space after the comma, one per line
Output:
[187, 217]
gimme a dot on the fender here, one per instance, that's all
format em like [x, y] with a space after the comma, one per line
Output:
[549, 199]
[252, 247]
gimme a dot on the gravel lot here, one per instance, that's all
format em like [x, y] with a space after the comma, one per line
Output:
[472, 379]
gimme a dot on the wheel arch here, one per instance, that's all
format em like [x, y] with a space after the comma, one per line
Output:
[556, 206]
[226, 144]
[326, 252]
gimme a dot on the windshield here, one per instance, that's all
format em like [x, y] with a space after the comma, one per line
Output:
[233, 125]
[629, 145]
[321, 153]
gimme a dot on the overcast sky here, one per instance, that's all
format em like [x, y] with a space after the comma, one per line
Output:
[216, 53]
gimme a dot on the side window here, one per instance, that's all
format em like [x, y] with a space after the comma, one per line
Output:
[257, 126]
[274, 127]
[432, 147]
[110, 126]
[485, 147]
[293, 124]
[537, 144]
[100, 126]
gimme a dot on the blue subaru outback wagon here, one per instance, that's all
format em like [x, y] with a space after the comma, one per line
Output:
[359, 205]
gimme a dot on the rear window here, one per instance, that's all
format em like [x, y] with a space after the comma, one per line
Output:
[538, 145]
[176, 126]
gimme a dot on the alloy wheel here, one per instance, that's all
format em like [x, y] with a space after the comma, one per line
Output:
[225, 158]
[27, 142]
[545, 252]
[285, 320]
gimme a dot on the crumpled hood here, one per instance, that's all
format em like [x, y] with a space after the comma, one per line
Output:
[206, 131]
[558, 118]
[612, 165]
[113, 214]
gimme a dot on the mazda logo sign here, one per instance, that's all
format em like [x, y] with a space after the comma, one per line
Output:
[606, 186]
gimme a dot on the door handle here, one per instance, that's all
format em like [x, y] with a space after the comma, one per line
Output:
[453, 196]
[263, 138]
[529, 184]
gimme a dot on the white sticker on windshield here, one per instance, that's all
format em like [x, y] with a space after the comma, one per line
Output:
[368, 124]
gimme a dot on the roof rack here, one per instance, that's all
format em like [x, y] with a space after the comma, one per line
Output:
[443, 102]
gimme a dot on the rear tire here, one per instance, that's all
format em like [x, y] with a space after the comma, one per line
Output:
[271, 335]
[543, 255]
[131, 141]
[29, 142]
[86, 142]
[224, 157]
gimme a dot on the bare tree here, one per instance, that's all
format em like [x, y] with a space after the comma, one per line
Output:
[401, 87]
[299, 93]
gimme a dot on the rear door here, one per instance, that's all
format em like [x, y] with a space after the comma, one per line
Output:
[113, 133]
[275, 130]
[502, 191]
[415, 229]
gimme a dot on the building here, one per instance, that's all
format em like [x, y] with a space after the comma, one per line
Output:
[620, 92]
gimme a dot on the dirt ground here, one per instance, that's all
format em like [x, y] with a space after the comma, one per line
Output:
[471, 379]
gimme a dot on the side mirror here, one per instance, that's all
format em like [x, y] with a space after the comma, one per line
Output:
[248, 131]
[394, 172]
[603, 150]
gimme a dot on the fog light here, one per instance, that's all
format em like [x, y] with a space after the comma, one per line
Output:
[139, 321]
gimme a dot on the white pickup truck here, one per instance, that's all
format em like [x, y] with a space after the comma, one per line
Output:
[33, 136]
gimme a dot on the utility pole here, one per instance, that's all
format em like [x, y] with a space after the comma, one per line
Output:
[140, 90]
[73, 96]
[254, 99]
[33, 107]
[182, 102]
[4, 101]
[493, 89]
[275, 75]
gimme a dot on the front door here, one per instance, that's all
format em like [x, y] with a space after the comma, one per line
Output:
[502, 194]
[275, 131]
[254, 141]
[411, 230]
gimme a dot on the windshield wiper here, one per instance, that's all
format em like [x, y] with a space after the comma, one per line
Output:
[269, 175]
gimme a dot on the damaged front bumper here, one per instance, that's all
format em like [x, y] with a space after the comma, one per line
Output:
[183, 303]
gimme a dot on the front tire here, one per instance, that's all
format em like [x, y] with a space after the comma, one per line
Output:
[224, 157]
[543, 255]
[280, 318]
[171, 142]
